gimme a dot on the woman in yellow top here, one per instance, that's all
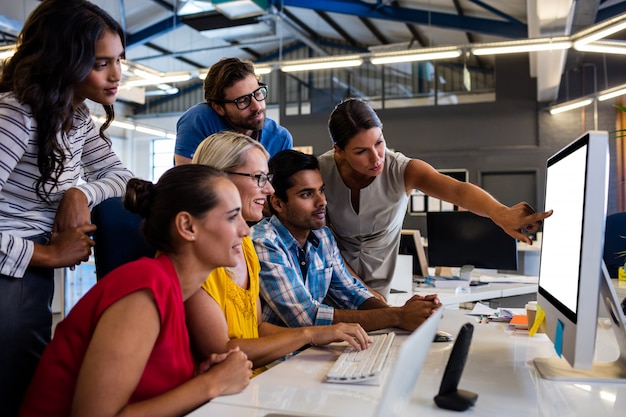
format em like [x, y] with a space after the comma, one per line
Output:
[228, 312]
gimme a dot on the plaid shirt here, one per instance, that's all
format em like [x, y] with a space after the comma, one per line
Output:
[290, 300]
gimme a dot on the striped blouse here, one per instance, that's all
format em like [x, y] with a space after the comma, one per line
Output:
[23, 214]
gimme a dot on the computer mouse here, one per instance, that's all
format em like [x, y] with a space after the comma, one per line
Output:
[442, 336]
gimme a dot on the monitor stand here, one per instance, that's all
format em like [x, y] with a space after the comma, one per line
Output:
[558, 368]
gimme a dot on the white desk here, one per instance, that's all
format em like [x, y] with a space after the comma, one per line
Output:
[497, 369]
[451, 298]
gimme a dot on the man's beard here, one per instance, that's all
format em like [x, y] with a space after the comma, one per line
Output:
[245, 123]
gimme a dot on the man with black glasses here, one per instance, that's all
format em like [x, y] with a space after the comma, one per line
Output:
[235, 100]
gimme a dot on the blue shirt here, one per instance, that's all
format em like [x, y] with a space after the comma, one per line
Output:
[290, 300]
[201, 121]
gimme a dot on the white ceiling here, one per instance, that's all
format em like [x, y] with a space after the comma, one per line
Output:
[161, 39]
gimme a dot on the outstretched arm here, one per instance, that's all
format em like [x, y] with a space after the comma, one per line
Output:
[516, 221]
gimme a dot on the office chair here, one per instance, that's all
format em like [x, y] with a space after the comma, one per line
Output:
[614, 242]
[118, 237]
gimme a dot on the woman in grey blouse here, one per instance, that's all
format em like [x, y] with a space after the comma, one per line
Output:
[367, 187]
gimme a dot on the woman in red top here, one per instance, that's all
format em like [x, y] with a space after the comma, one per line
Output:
[124, 348]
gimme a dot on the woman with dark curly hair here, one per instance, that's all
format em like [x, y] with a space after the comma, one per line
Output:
[68, 51]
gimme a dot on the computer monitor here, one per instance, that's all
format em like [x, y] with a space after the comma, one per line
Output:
[411, 244]
[464, 239]
[571, 278]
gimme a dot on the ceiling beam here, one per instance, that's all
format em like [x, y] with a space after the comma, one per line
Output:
[461, 12]
[377, 33]
[509, 29]
[153, 31]
[341, 31]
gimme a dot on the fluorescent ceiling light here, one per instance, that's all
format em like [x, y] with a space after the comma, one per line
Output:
[522, 46]
[150, 131]
[145, 74]
[7, 52]
[260, 70]
[417, 56]
[603, 47]
[123, 125]
[158, 80]
[131, 126]
[238, 9]
[595, 35]
[570, 105]
[612, 92]
[320, 64]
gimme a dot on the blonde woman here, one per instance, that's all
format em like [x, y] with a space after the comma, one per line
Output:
[227, 314]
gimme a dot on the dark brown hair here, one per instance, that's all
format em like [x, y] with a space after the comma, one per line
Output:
[56, 51]
[186, 187]
[223, 74]
[350, 117]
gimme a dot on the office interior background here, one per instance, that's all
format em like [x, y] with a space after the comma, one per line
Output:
[444, 101]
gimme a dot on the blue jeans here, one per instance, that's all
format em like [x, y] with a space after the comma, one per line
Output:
[25, 330]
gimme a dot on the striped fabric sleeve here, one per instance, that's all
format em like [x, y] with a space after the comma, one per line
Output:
[103, 171]
[15, 130]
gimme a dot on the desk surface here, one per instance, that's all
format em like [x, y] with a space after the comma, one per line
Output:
[498, 369]
[451, 298]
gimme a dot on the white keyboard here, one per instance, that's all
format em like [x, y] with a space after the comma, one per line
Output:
[354, 366]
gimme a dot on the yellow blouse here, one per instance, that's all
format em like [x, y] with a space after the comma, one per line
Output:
[238, 304]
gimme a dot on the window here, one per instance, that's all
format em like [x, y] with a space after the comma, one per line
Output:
[162, 157]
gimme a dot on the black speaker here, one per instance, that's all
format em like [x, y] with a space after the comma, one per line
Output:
[450, 397]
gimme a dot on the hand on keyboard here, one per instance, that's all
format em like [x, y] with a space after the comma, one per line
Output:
[352, 333]
[359, 366]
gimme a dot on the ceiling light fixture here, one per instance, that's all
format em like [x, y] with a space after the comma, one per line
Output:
[529, 45]
[121, 125]
[151, 131]
[416, 55]
[570, 105]
[139, 82]
[261, 70]
[612, 92]
[7, 51]
[133, 127]
[318, 64]
[603, 47]
[599, 31]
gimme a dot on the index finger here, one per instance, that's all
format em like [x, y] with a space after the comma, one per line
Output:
[537, 217]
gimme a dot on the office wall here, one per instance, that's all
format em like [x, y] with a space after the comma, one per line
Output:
[513, 135]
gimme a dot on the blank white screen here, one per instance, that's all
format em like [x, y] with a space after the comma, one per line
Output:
[562, 232]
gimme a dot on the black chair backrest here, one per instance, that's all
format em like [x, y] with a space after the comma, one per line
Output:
[614, 242]
[118, 237]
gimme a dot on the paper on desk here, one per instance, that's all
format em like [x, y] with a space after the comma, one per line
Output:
[495, 314]
[513, 279]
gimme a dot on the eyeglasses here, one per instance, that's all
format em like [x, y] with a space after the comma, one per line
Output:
[261, 179]
[244, 102]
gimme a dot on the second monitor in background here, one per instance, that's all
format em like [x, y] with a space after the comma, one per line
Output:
[411, 244]
[466, 240]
